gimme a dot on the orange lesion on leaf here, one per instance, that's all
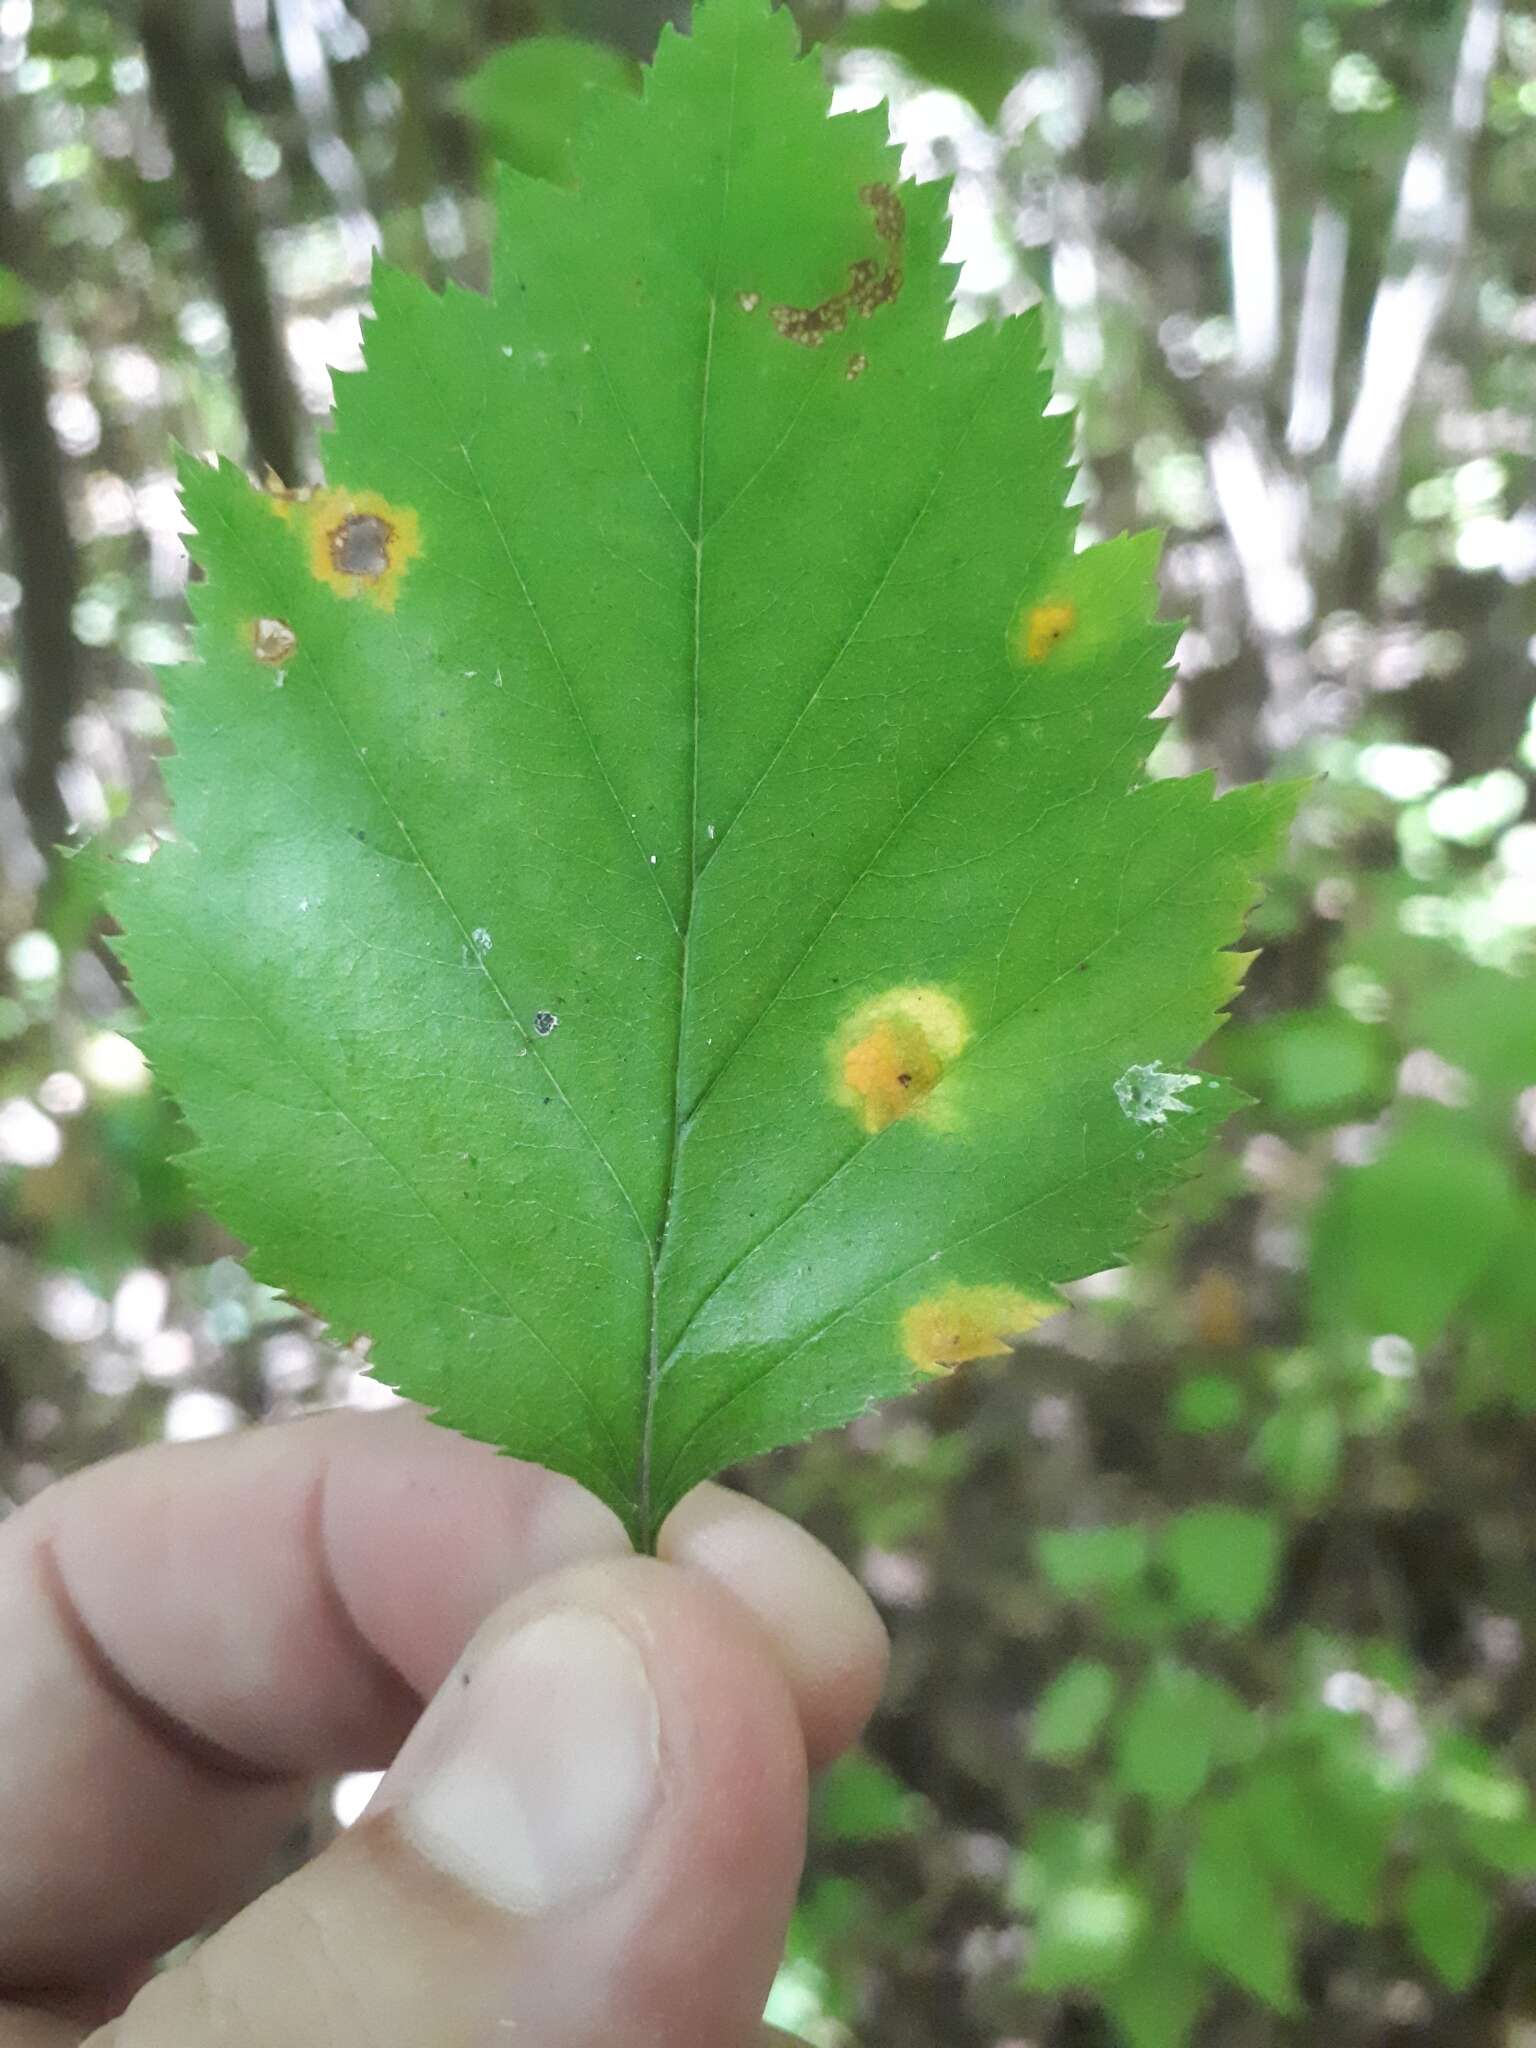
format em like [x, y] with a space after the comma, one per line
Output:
[357, 542]
[871, 283]
[963, 1324]
[273, 641]
[892, 1053]
[1042, 628]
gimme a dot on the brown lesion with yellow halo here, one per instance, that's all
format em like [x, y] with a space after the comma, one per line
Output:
[356, 542]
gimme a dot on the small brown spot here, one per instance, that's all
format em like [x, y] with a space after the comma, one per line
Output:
[857, 365]
[273, 642]
[869, 285]
[749, 301]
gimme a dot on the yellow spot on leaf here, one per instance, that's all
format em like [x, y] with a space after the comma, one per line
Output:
[1044, 627]
[272, 641]
[892, 1053]
[357, 542]
[966, 1323]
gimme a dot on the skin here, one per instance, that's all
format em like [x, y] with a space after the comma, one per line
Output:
[194, 1634]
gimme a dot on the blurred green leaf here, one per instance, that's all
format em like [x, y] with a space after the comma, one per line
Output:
[972, 47]
[1232, 1913]
[1082, 1562]
[1450, 1917]
[16, 301]
[1328, 1839]
[1158, 1998]
[1179, 1725]
[1398, 1245]
[1223, 1563]
[1085, 1934]
[531, 97]
[1207, 1403]
[1301, 1447]
[859, 1800]
[1072, 1711]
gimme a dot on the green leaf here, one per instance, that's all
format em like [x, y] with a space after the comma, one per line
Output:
[532, 97]
[859, 1800]
[1179, 1726]
[1223, 1563]
[1400, 1243]
[1082, 1562]
[665, 931]
[17, 303]
[1450, 1917]
[1207, 1403]
[971, 47]
[1157, 2000]
[1085, 1934]
[1327, 1837]
[1300, 1448]
[1232, 1914]
[1072, 1710]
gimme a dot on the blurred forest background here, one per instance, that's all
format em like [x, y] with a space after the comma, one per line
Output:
[1213, 1716]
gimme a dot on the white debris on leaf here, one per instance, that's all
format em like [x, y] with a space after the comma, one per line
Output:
[1148, 1095]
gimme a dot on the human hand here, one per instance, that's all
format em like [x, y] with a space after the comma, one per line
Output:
[591, 1834]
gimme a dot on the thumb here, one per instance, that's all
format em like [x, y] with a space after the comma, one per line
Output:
[592, 1835]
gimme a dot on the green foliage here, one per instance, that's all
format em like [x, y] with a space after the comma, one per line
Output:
[1223, 1563]
[576, 977]
[17, 303]
[1180, 1725]
[531, 99]
[972, 47]
[1158, 1998]
[1401, 1242]
[1322, 1833]
[1232, 1914]
[1085, 1934]
[1072, 1711]
[858, 1800]
[1082, 1562]
[1450, 1918]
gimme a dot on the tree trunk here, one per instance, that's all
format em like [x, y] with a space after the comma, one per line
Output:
[42, 548]
[192, 105]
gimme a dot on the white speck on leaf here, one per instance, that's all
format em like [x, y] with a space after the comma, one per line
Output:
[1148, 1095]
[482, 939]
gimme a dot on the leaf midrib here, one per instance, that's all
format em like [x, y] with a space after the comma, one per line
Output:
[643, 1490]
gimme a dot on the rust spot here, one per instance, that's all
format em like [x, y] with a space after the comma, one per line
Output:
[857, 365]
[870, 284]
[1043, 627]
[892, 1053]
[357, 542]
[272, 641]
[964, 1324]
